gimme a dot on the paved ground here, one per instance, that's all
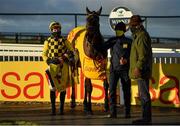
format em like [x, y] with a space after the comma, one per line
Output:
[24, 113]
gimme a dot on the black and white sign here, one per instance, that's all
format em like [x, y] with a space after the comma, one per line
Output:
[119, 14]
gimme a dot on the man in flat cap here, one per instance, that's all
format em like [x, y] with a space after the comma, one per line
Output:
[141, 65]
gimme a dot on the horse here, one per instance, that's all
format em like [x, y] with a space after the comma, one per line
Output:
[87, 42]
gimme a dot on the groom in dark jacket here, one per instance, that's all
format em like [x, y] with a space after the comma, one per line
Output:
[119, 68]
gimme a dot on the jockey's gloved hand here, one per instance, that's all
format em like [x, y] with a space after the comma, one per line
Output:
[55, 61]
[71, 61]
[71, 58]
[52, 61]
[66, 58]
[48, 61]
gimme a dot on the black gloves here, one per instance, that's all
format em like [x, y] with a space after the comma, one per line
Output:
[53, 61]
[67, 57]
[48, 61]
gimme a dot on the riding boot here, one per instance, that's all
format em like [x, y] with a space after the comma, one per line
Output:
[62, 100]
[53, 100]
[106, 100]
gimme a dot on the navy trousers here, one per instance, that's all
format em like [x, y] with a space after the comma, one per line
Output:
[126, 86]
[143, 89]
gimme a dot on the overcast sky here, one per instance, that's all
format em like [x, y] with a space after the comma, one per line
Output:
[156, 27]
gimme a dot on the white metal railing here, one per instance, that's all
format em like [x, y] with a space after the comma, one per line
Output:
[30, 52]
[21, 52]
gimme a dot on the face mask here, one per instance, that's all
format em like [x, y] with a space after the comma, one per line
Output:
[119, 32]
[133, 29]
[56, 34]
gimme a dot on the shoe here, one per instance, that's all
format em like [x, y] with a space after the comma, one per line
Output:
[73, 104]
[112, 116]
[53, 112]
[127, 116]
[142, 121]
[106, 109]
[89, 112]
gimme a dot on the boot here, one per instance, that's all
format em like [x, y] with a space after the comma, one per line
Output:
[62, 100]
[53, 100]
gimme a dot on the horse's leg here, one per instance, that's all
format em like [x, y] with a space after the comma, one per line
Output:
[85, 97]
[88, 91]
[53, 102]
[73, 102]
[62, 99]
[106, 99]
[89, 101]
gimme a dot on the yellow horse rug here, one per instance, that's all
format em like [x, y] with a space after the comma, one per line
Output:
[93, 69]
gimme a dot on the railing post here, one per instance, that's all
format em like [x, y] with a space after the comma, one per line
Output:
[16, 37]
[158, 41]
[41, 38]
[75, 19]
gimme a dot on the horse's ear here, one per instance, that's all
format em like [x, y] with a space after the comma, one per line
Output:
[99, 11]
[87, 10]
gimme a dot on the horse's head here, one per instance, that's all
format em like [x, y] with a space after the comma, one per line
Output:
[92, 20]
[93, 35]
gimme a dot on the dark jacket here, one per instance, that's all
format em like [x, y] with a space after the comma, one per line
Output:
[141, 54]
[120, 47]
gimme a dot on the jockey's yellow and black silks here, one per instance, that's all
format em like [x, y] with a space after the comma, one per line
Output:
[54, 48]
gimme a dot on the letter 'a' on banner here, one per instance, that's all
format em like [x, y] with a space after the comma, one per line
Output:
[119, 14]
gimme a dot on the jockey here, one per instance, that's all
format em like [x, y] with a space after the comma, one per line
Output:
[58, 54]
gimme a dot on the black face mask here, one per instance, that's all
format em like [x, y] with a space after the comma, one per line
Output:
[56, 34]
[133, 29]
